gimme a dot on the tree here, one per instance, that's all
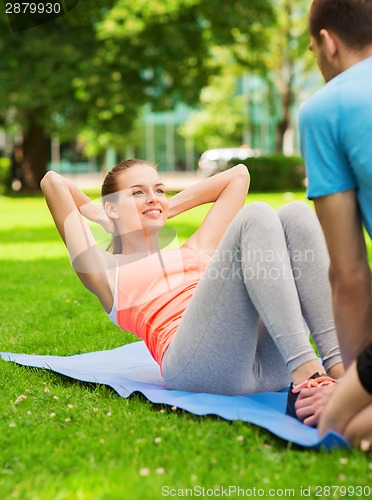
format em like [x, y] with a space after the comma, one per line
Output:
[280, 60]
[99, 64]
[286, 60]
[37, 70]
[220, 119]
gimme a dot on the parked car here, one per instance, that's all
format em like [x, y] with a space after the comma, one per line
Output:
[213, 161]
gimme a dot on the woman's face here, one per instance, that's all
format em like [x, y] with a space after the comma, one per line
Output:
[141, 202]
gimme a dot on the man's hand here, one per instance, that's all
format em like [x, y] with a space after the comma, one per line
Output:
[311, 403]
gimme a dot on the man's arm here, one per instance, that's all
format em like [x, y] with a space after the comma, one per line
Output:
[350, 274]
[349, 409]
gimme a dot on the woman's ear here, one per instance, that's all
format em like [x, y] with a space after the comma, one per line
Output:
[110, 210]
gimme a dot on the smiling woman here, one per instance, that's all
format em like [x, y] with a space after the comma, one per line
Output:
[135, 201]
[216, 313]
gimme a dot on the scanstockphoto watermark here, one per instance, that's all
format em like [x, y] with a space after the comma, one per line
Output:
[24, 15]
[227, 491]
[331, 491]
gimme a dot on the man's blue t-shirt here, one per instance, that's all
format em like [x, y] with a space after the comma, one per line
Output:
[336, 137]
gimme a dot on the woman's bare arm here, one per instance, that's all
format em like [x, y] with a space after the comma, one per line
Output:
[67, 204]
[227, 191]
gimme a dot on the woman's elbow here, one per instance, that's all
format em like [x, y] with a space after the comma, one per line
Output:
[48, 179]
[244, 176]
[241, 170]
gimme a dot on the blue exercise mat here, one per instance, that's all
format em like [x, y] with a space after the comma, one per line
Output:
[130, 368]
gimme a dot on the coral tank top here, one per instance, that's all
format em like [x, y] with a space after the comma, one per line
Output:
[153, 293]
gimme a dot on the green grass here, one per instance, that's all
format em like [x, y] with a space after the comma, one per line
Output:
[69, 440]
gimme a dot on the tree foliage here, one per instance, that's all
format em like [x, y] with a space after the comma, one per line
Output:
[282, 62]
[287, 59]
[97, 66]
[220, 119]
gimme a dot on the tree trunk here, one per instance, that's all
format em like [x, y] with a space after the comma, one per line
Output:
[35, 157]
[285, 122]
[287, 77]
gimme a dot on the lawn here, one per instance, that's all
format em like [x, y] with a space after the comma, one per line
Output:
[69, 440]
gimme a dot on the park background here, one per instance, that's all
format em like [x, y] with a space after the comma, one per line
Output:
[163, 80]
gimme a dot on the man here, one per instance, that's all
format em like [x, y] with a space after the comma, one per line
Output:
[336, 142]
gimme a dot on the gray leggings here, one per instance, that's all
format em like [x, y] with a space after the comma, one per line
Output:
[247, 326]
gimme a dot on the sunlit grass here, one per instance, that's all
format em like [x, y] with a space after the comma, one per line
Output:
[69, 440]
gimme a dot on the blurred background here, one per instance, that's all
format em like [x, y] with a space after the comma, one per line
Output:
[163, 80]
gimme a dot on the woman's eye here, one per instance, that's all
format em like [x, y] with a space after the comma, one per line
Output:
[160, 191]
[137, 192]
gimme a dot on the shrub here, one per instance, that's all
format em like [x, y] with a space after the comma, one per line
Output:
[4, 172]
[274, 172]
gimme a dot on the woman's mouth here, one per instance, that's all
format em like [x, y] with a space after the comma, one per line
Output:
[154, 212]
